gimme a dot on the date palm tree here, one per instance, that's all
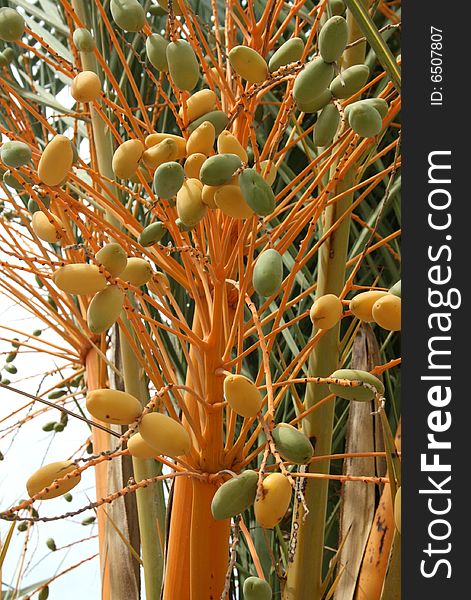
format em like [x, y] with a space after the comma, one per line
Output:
[200, 314]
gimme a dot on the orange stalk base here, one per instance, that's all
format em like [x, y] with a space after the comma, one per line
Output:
[209, 546]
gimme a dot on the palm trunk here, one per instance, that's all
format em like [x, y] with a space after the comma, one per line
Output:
[150, 501]
[305, 571]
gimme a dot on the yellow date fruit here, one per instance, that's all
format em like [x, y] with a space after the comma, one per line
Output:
[86, 87]
[362, 304]
[113, 406]
[139, 448]
[387, 312]
[193, 165]
[230, 200]
[165, 151]
[137, 272]
[242, 395]
[198, 104]
[46, 475]
[201, 140]
[190, 206]
[274, 501]
[165, 435]
[80, 279]
[397, 509]
[326, 311]
[248, 64]
[104, 309]
[44, 229]
[126, 158]
[155, 138]
[56, 161]
[113, 258]
[229, 144]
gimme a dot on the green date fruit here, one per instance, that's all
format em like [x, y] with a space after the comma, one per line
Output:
[365, 120]
[268, 273]
[84, 40]
[218, 169]
[156, 50]
[292, 444]
[15, 154]
[257, 589]
[289, 52]
[182, 65]
[152, 234]
[326, 125]
[218, 118]
[168, 179]
[333, 39]
[358, 393]
[12, 25]
[396, 289]
[235, 495]
[350, 81]
[312, 81]
[128, 15]
[256, 192]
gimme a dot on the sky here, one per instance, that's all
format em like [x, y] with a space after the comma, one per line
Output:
[33, 447]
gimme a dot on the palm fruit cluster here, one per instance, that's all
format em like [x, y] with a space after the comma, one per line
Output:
[374, 306]
[270, 503]
[381, 307]
[207, 167]
[158, 434]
